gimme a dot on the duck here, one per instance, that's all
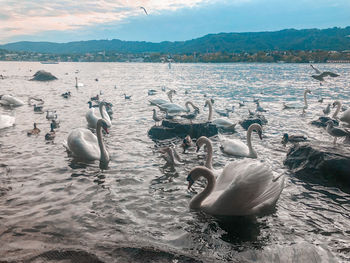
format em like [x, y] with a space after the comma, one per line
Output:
[190, 116]
[38, 108]
[6, 121]
[9, 100]
[127, 97]
[56, 124]
[35, 131]
[245, 187]
[78, 84]
[66, 95]
[92, 119]
[92, 105]
[287, 107]
[237, 147]
[220, 122]
[96, 98]
[51, 134]
[186, 143]
[86, 146]
[151, 92]
[292, 138]
[155, 117]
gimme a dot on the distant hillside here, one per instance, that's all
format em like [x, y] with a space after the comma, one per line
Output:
[289, 39]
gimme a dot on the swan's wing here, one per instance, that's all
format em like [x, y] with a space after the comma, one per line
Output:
[234, 147]
[83, 144]
[222, 122]
[250, 179]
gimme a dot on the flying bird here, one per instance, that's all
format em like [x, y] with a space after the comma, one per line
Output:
[321, 75]
[144, 9]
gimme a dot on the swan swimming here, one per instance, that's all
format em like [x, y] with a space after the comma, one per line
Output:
[237, 147]
[84, 145]
[92, 119]
[220, 123]
[287, 107]
[8, 100]
[6, 121]
[249, 188]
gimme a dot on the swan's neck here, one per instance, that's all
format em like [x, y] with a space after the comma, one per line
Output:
[337, 111]
[103, 112]
[199, 198]
[190, 103]
[252, 152]
[305, 100]
[76, 81]
[209, 159]
[104, 158]
[170, 96]
[210, 110]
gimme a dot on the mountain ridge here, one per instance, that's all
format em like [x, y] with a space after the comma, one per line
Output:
[335, 38]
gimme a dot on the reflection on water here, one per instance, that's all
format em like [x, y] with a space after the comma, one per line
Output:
[56, 208]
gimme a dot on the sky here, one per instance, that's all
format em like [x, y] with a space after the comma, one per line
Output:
[167, 20]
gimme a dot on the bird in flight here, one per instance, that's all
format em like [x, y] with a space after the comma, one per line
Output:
[321, 75]
[144, 9]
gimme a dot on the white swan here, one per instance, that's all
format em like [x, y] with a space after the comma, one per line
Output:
[92, 119]
[250, 189]
[6, 121]
[173, 108]
[237, 147]
[221, 122]
[84, 145]
[157, 102]
[78, 84]
[287, 107]
[8, 100]
[345, 117]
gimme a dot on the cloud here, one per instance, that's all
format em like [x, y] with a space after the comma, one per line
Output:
[35, 16]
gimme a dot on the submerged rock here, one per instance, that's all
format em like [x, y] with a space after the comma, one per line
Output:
[321, 163]
[177, 128]
[43, 75]
[257, 118]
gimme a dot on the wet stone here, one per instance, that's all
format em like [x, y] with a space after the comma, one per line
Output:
[43, 75]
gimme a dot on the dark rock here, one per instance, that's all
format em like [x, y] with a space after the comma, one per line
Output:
[321, 122]
[43, 75]
[257, 118]
[177, 128]
[321, 163]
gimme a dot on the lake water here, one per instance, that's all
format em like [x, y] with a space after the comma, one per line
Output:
[53, 209]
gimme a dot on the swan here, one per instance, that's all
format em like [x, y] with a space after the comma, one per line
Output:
[157, 102]
[345, 117]
[35, 131]
[92, 119]
[8, 100]
[84, 145]
[220, 123]
[249, 189]
[6, 121]
[237, 147]
[78, 84]
[287, 107]
[173, 108]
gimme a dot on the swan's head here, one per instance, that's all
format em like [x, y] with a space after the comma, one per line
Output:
[336, 103]
[307, 91]
[195, 174]
[201, 140]
[103, 124]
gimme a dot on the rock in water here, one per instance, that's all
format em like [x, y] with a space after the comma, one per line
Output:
[257, 118]
[43, 75]
[178, 128]
[321, 163]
